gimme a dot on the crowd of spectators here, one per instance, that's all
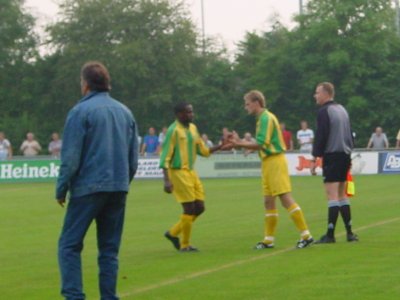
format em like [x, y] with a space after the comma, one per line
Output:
[151, 143]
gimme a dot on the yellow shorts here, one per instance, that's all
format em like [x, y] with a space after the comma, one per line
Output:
[187, 186]
[275, 175]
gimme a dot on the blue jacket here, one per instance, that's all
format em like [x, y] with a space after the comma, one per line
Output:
[100, 147]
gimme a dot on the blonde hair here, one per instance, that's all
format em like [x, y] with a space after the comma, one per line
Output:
[255, 96]
[328, 88]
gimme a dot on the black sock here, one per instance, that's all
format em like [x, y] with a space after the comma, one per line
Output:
[333, 213]
[346, 215]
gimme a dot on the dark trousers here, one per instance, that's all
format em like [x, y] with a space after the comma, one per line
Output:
[108, 209]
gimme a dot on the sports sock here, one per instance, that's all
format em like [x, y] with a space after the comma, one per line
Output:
[297, 216]
[333, 213]
[270, 223]
[176, 229]
[186, 221]
[344, 208]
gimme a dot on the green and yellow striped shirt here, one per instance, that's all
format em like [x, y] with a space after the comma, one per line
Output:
[181, 146]
[269, 134]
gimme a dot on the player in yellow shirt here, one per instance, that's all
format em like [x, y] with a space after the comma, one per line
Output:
[275, 174]
[180, 148]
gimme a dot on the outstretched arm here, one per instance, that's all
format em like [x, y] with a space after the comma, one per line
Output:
[236, 141]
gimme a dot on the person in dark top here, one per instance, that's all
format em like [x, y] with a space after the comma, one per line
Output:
[334, 143]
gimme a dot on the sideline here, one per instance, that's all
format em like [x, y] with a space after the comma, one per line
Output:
[235, 264]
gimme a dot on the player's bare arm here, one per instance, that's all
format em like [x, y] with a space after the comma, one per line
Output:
[168, 187]
[238, 142]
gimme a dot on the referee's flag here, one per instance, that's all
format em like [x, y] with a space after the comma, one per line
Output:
[350, 187]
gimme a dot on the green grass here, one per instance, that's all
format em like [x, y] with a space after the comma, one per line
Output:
[226, 267]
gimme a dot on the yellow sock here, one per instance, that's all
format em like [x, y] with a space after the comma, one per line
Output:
[297, 216]
[186, 221]
[176, 229]
[271, 220]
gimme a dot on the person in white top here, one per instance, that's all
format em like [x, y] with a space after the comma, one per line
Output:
[30, 147]
[305, 137]
[55, 145]
[162, 134]
[398, 140]
[208, 143]
[5, 147]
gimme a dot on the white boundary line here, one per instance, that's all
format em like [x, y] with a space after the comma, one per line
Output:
[234, 264]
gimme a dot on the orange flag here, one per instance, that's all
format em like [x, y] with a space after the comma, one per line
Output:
[350, 187]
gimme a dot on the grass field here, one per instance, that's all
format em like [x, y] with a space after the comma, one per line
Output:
[226, 267]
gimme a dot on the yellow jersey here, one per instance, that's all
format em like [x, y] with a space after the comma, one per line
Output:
[181, 146]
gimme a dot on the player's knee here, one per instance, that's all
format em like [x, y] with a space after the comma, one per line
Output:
[189, 208]
[200, 208]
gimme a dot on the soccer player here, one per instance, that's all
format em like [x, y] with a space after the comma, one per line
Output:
[334, 143]
[275, 174]
[181, 145]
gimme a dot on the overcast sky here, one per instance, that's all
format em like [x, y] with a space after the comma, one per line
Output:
[227, 20]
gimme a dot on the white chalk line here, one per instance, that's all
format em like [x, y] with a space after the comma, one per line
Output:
[235, 264]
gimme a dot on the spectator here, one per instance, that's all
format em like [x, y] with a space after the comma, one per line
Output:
[225, 134]
[378, 140]
[150, 143]
[55, 145]
[139, 141]
[208, 143]
[30, 147]
[287, 137]
[5, 147]
[248, 138]
[305, 137]
[161, 136]
[398, 140]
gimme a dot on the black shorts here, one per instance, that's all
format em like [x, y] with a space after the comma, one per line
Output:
[335, 166]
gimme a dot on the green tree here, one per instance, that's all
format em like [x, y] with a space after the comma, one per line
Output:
[150, 48]
[17, 51]
[352, 43]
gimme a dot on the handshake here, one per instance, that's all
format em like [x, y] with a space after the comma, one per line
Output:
[230, 140]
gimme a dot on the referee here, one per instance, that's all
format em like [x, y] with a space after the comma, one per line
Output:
[334, 143]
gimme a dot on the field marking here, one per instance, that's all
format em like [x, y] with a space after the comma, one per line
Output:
[235, 264]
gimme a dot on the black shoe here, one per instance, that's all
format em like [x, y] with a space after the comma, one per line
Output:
[189, 249]
[351, 237]
[174, 240]
[326, 240]
[262, 245]
[304, 243]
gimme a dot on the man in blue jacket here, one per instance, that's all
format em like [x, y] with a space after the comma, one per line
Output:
[98, 161]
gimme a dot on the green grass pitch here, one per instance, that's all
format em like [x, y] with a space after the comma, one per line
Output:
[226, 267]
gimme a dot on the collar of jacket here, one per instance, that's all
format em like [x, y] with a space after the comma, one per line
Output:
[328, 102]
[91, 94]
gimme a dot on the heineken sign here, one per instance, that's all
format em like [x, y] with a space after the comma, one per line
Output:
[29, 170]
[216, 166]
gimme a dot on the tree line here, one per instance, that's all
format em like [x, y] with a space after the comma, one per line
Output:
[154, 53]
